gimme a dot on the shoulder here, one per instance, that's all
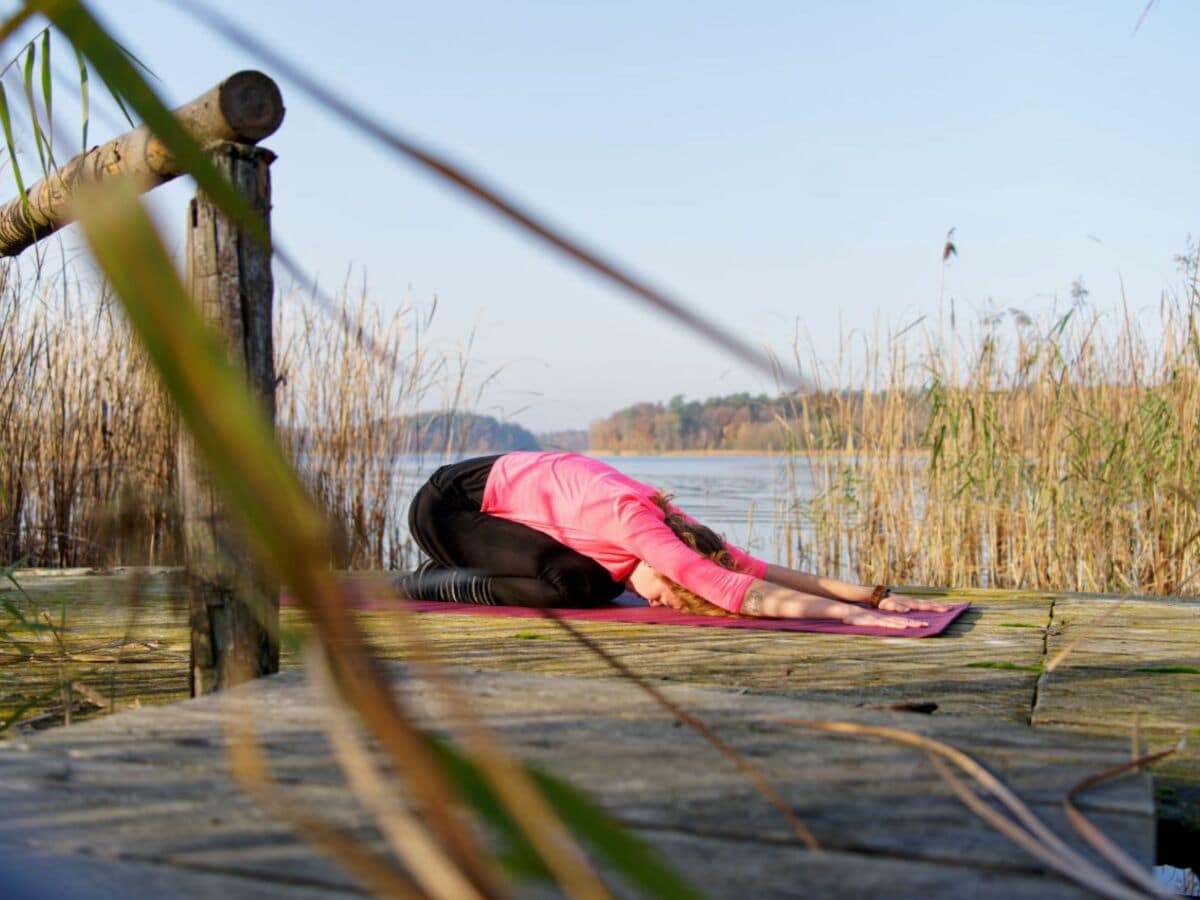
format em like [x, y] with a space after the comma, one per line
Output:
[636, 513]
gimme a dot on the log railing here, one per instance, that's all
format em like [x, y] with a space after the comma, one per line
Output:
[244, 108]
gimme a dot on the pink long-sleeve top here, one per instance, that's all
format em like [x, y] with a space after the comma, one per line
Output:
[594, 509]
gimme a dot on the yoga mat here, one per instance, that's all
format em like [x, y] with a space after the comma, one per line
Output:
[633, 610]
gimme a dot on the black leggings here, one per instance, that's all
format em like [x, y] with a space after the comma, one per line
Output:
[526, 567]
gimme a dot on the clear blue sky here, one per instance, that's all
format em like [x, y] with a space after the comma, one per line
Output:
[768, 162]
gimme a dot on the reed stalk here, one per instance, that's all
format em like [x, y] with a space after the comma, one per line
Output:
[87, 463]
[1064, 456]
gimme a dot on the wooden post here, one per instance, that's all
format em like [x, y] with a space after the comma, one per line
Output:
[234, 608]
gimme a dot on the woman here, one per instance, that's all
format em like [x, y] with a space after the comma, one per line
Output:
[561, 529]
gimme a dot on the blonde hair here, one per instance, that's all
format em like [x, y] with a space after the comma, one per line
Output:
[704, 541]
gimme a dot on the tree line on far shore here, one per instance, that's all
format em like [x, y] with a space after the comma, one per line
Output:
[746, 422]
[735, 422]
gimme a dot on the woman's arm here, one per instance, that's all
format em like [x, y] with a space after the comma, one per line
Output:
[844, 591]
[819, 585]
[774, 601]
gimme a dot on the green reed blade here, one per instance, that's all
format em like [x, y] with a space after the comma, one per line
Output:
[84, 112]
[48, 92]
[34, 120]
[6, 122]
[120, 73]
[229, 429]
[619, 847]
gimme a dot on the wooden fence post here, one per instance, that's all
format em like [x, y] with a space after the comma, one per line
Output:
[234, 607]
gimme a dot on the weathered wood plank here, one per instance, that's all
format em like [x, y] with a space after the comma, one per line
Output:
[867, 673]
[1134, 664]
[878, 807]
[117, 878]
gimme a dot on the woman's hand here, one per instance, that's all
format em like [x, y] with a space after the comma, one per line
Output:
[899, 603]
[773, 601]
[871, 619]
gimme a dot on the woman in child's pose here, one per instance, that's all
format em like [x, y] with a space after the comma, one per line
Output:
[561, 529]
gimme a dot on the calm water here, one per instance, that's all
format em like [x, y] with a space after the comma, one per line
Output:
[743, 498]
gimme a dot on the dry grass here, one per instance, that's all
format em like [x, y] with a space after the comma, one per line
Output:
[85, 436]
[1064, 457]
[87, 441]
[347, 402]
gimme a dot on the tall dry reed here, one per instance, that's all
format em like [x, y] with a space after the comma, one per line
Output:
[349, 404]
[86, 465]
[87, 441]
[1063, 456]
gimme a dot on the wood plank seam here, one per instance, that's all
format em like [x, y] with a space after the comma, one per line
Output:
[1037, 682]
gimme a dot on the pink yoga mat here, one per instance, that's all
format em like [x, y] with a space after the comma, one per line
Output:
[631, 609]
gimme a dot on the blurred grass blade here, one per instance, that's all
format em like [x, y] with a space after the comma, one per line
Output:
[621, 849]
[209, 392]
[114, 66]
[1118, 858]
[13, 22]
[761, 783]
[626, 853]
[247, 467]
[250, 770]
[17, 616]
[430, 868]
[529, 810]
[1108, 888]
[1024, 826]
[1081, 635]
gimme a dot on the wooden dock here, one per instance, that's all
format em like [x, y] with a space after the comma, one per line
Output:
[1135, 669]
[144, 798]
